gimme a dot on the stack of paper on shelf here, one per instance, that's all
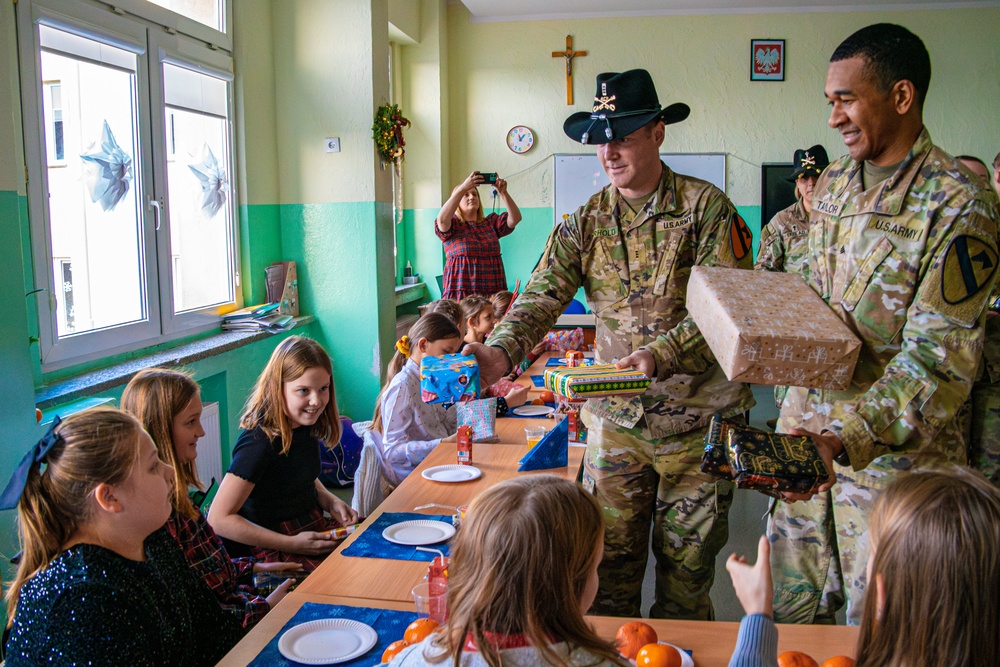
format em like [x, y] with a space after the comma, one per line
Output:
[258, 318]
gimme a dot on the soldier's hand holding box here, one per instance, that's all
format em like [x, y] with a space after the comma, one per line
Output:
[595, 381]
[771, 328]
[767, 462]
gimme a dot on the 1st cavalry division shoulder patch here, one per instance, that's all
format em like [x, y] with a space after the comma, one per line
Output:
[740, 236]
[968, 266]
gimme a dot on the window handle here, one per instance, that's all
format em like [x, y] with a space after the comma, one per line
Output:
[155, 205]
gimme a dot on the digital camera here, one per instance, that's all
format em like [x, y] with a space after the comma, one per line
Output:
[489, 177]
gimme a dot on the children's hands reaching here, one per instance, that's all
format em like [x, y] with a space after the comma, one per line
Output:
[311, 543]
[281, 591]
[342, 513]
[753, 582]
[277, 566]
[516, 396]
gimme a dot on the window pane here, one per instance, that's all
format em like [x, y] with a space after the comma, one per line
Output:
[208, 12]
[200, 209]
[94, 214]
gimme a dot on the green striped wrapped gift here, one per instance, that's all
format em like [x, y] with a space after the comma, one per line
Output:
[595, 381]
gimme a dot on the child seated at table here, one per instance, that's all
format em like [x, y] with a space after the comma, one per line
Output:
[933, 576]
[452, 310]
[168, 405]
[271, 497]
[523, 573]
[501, 302]
[100, 582]
[478, 313]
[410, 428]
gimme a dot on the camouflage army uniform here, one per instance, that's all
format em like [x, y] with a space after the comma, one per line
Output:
[908, 265]
[643, 452]
[984, 443]
[783, 240]
[783, 247]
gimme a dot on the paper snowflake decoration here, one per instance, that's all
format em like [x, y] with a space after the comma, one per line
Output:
[108, 171]
[213, 182]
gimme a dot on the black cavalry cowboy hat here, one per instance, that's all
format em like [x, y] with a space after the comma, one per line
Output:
[624, 102]
[809, 162]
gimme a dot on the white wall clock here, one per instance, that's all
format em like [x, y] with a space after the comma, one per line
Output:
[520, 139]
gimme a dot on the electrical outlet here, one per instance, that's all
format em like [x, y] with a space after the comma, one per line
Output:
[332, 144]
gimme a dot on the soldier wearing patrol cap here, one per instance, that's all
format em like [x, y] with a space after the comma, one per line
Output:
[903, 247]
[631, 247]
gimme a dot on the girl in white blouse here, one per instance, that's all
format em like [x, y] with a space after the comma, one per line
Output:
[410, 428]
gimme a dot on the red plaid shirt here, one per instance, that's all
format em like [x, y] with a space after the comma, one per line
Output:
[230, 580]
[472, 257]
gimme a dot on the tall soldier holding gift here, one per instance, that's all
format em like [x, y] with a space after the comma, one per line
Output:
[631, 247]
[903, 247]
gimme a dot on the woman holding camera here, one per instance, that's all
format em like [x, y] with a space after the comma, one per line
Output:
[471, 241]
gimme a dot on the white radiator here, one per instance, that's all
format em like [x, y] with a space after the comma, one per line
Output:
[210, 446]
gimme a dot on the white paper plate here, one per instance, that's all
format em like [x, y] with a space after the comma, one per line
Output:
[686, 660]
[327, 641]
[418, 533]
[533, 410]
[452, 473]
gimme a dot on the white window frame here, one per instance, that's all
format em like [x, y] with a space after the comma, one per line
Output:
[97, 20]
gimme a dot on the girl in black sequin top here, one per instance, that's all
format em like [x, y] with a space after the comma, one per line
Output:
[100, 582]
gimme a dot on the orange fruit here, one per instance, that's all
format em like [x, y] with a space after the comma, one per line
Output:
[796, 659]
[633, 636]
[538, 401]
[419, 630]
[658, 655]
[547, 397]
[392, 649]
[838, 661]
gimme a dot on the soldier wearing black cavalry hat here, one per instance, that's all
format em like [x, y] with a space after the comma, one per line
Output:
[631, 247]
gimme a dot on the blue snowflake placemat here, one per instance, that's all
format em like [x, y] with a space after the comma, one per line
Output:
[538, 380]
[389, 625]
[371, 544]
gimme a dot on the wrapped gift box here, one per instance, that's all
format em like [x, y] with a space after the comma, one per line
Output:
[715, 461]
[453, 378]
[481, 415]
[763, 461]
[595, 381]
[771, 328]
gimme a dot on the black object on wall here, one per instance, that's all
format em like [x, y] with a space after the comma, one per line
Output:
[776, 193]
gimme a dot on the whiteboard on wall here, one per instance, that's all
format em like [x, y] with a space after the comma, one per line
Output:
[578, 177]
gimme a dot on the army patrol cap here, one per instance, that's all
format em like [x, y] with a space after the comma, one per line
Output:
[809, 162]
[624, 102]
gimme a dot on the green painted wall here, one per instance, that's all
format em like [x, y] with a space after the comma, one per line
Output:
[260, 246]
[17, 410]
[423, 247]
[337, 247]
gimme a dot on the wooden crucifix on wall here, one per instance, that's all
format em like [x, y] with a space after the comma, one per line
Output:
[569, 54]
